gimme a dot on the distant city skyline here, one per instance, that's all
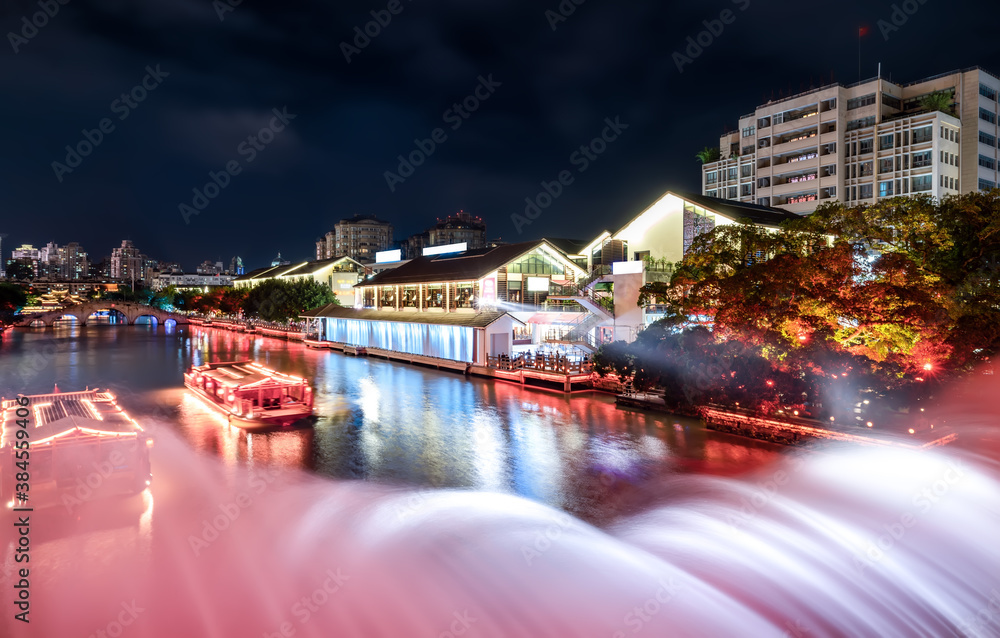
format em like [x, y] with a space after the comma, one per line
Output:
[197, 137]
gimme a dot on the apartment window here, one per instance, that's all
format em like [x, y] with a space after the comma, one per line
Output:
[861, 123]
[892, 101]
[885, 165]
[989, 116]
[986, 185]
[711, 193]
[750, 130]
[746, 170]
[884, 189]
[763, 122]
[858, 102]
[885, 142]
[865, 191]
[921, 159]
[866, 169]
[710, 177]
[854, 171]
[746, 150]
[954, 183]
[866, 146]
[764, 201]
[923, 134]
[746, 190]
[987, 162]
[731, 173]
[731, 192]
[921, 183]
[987, 139]
[986, 91]
[854, 193]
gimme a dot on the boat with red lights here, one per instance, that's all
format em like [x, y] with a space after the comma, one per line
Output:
[70, 444]
[251, 396]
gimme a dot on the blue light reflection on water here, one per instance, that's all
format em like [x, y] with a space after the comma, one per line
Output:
[384, 421]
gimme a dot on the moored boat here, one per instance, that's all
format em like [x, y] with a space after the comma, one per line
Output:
[251, 396]
[70, 444]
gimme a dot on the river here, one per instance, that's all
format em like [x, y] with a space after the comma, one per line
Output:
[388, 422]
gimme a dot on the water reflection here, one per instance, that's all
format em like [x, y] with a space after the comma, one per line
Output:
[384, 421]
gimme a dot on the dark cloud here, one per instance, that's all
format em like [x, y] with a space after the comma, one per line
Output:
[353, 119]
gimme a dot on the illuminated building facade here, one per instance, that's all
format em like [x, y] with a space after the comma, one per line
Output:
[340, 274]
[861, 143]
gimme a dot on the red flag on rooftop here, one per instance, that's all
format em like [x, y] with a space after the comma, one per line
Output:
[55, 388]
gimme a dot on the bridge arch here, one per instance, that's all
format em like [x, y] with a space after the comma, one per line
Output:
[82, 312]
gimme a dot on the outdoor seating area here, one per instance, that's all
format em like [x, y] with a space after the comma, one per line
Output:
[550, 362]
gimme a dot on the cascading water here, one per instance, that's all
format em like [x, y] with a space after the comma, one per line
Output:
[829, 541]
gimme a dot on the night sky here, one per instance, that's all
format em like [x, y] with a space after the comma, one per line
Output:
[219, 81]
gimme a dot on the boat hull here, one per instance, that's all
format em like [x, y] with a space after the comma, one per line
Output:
[263, 422]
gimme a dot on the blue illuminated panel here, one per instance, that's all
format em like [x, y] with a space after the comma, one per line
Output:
[448, 342]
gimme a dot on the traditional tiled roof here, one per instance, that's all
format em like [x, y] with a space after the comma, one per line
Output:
[465, 266]
[466, 319]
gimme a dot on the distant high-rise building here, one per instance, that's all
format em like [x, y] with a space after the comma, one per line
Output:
[359, 238]
[127, 263]
[27, 255]
[209, 268]
[863, 142]
[414, 245]
[73, 262]
[459, 228]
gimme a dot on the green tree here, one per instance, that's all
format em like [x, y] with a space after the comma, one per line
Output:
[12, 299]
[274, 300]
[707, 155]
[939, 101]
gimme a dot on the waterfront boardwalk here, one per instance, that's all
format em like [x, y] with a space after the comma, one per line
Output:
[789, 432]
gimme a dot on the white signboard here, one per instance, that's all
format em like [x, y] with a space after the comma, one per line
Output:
[388, 256]
[446, 248]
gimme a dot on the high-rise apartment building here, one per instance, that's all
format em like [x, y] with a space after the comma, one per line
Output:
[359, 238]
[863, 142]
[127, 263]
[459, 228]
[73, 262]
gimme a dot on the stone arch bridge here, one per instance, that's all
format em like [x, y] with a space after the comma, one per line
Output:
[131, 311]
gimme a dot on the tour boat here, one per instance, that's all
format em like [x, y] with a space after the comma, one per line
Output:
[71, 445]
[251, 396]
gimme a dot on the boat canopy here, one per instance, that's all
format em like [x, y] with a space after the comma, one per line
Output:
[88, 413]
